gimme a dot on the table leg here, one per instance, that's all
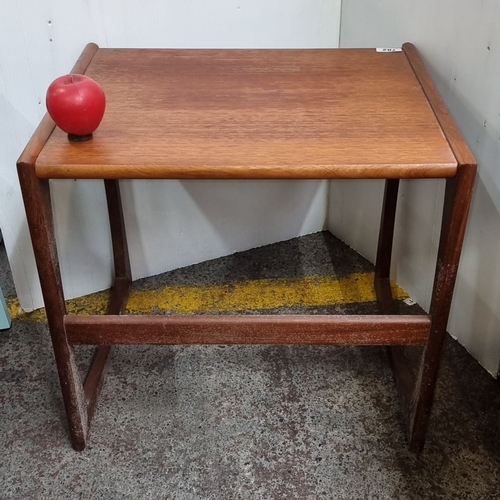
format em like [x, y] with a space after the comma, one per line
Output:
[36, 193]
[79, 399]
[119, 293]
[458, 197]
[384, 250]
[118, 235]
[416, 390]
[403, 374]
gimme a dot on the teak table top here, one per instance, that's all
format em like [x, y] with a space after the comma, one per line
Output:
[240, 114]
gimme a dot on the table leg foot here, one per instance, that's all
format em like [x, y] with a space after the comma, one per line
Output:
[73, 397]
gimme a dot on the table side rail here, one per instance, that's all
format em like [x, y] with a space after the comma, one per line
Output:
[456, 140]
[244, 329]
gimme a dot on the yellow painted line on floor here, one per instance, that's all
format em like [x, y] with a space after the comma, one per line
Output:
[253, 295]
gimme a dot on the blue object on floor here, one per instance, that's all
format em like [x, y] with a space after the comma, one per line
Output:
[5, 320]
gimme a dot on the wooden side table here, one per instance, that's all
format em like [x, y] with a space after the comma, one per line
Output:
[253, 114]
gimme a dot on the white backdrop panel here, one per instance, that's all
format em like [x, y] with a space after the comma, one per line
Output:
[460, 43]
[170, 224]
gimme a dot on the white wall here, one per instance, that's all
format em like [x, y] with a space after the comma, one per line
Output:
[170, 224]
[460, 44]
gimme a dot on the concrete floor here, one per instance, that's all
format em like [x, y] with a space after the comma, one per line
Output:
[266, 422]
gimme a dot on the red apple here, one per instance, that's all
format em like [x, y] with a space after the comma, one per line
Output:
[76, 103]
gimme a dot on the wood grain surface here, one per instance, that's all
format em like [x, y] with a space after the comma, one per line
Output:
[261, 329]
[228, 114]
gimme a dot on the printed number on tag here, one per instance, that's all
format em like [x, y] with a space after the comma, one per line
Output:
[388, 49]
